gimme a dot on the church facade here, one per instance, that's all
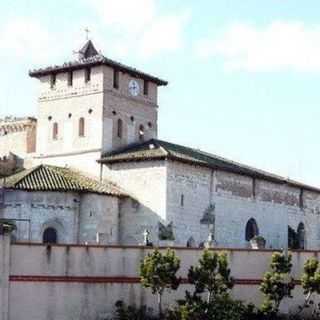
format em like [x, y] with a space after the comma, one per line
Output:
[94, 171]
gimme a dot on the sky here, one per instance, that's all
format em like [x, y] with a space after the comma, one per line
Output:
[244, 76]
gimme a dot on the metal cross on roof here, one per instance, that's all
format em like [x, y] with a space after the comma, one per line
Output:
[87, 31]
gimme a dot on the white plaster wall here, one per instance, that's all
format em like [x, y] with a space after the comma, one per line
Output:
[145, 182]
[99, 214]
[87, 300]
[76, 100]
[142, 108]
[85, 162]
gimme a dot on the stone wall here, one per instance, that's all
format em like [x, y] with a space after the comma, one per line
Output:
[181, 194]
[17, 136]
[236, 199]
[76, 217]
[84, 282]
[145, 182]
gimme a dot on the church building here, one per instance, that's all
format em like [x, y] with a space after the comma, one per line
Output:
[90, 168]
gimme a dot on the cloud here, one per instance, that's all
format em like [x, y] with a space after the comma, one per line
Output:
[139, 27]
[275, 47]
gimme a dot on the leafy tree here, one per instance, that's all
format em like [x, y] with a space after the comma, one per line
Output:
[212, 275]
[310, 282]
[158, 272]
[276, 284]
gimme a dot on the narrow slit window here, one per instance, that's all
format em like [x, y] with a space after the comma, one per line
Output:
[55, 131]
[141, 132]
[145, 87]
[182, 200]
[87, 75]
[70, 79]
[53, 80]
[115, 79]
[81, 127]
[119, 128]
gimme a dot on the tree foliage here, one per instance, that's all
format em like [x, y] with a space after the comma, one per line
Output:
[277, 284]
[159, 272]
[310, 282]
[212, 275]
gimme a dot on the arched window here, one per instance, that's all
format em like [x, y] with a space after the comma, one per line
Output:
[119, 128]
[251, 229]
[141, 132]
[292, 239]
[55, 131]
[81, 127]
[301, 235]
[50, 236]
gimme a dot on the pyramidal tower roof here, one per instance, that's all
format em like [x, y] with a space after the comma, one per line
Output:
[88, 51]
[88, 56]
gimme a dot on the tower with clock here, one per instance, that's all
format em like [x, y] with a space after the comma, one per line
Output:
[93, 106]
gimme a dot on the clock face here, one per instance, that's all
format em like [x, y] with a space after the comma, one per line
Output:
[134, 88]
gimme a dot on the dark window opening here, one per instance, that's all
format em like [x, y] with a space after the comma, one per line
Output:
[119, 128]
[90, 111]
[301, 236]
[145, 87]
[87, 75]
[182, 200]
[115, 79]
[55, 131]
[70, 79]
[50, 236]
[251, 229]
[81, 127]
[141, 132]
[132, 118]
[53, 80]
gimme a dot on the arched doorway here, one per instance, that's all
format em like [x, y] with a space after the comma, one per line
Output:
[50, 235]
[251, 229]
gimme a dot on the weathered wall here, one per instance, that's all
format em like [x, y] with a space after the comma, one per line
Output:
[236, 199]
[99, 219]
[65, 105]
[84, 282]
[82, 161]
[133, 111]
[4, 275]
[145, 181]
[17, 136]
[42, 209]
[76, 217]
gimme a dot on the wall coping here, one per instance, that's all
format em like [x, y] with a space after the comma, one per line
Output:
[74, 245]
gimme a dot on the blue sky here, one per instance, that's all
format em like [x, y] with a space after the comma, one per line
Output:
[243, 76]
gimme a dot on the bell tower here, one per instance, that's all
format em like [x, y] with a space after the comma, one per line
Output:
[93, 105]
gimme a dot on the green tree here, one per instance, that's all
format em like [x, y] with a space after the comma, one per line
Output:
[277, 284]
[212, 275]
[158, 272]
[310, 282]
